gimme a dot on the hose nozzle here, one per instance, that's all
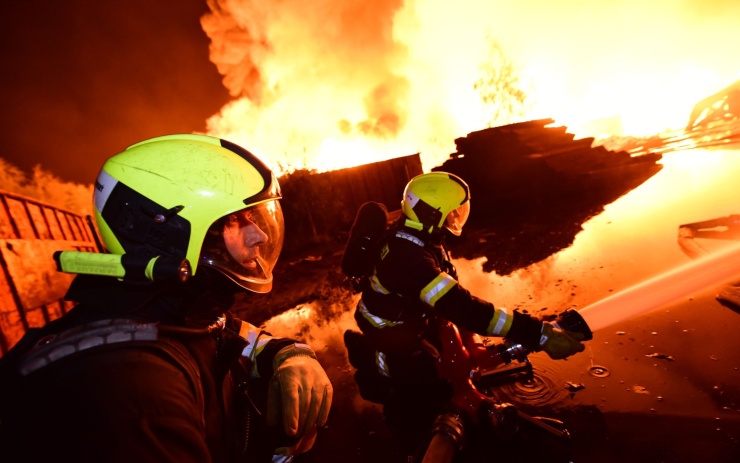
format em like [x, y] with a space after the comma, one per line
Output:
[571, 320]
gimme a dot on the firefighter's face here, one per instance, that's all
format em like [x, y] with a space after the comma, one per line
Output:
[243, 238]
[245, 245]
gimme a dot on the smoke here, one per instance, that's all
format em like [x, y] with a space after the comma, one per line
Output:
[328, 84]
[303, 72]
[645, 62]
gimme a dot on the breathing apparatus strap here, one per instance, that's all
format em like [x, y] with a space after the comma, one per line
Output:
[54, 347]
[102, 333]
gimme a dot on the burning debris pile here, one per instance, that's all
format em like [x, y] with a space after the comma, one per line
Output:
[532, 186]
[319, 208]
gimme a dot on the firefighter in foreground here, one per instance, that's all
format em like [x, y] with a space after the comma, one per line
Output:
[408, 282]
[154, 366]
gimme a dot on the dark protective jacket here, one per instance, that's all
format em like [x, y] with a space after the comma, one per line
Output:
[133, 374]
[414, 280]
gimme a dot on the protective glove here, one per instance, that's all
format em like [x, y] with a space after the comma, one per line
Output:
[560, 344]
[300, 393]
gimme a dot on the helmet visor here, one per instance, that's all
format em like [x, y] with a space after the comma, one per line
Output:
[456, 219]
[246, 244]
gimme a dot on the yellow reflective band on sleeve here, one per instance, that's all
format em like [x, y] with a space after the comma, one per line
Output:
[500, 323]
[437, 288]
[374, 320]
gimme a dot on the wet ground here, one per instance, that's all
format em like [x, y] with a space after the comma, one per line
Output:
[663, 386]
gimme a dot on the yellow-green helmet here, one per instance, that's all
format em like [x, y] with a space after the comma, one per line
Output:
[435, 200]
[191, 197]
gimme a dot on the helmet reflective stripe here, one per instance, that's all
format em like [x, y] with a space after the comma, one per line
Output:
[437, 288]
[381, 364]
[411, 199]
[103, 186]
[374, 320]
[500, 323]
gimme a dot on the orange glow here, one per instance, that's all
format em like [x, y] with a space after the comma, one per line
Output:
[632, 240]
[325, 85]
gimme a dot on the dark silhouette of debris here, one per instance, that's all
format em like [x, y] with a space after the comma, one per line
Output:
[533, 186]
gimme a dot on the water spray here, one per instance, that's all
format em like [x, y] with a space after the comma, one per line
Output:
[713, 269]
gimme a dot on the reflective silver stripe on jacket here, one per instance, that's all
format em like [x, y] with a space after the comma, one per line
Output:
[381, 364]
[410, 237]
[374, 320]
[437, 288]
[498, 322]
[51, 348]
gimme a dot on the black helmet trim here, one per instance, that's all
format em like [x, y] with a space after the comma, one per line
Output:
[427, 215]
[134, 219]
[463, 185]
[271, 189]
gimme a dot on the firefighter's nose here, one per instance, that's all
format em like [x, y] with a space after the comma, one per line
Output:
[254, 236]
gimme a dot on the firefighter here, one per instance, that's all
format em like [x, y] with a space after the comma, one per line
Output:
[154, 365]
[414, 281]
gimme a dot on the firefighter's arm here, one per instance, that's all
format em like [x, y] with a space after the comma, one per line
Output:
[469, 312]
[300, 393]
[535, 334]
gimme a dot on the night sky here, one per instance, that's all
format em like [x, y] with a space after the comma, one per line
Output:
[83, 79]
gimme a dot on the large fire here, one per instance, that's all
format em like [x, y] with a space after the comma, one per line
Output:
[329, 84]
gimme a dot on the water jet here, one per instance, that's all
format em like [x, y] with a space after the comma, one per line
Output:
[721, 266]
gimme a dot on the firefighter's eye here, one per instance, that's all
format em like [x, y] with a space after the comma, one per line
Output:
[240, 219]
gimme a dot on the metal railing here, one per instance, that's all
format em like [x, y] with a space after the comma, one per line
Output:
[31, 288]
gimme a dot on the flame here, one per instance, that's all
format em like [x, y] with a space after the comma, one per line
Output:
[330, 84]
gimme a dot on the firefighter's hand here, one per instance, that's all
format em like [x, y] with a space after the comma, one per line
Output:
[300, 393]
[560, 344]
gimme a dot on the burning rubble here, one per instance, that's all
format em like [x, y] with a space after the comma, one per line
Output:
[533, 185]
